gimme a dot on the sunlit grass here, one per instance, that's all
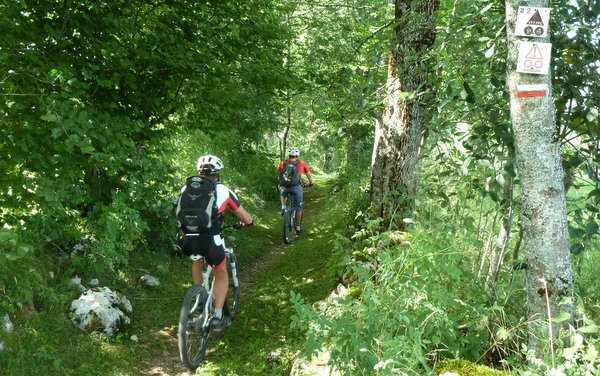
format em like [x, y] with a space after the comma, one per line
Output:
[259, 342]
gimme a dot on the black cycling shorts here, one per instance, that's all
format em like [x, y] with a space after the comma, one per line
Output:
[202, 244]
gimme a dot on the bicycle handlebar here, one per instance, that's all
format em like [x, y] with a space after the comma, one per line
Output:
[239, 225]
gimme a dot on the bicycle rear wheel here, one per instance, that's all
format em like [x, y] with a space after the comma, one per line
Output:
[287, 226]
[193, 336]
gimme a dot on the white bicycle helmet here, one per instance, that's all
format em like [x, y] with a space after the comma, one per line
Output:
[209, 164]
[294, 152]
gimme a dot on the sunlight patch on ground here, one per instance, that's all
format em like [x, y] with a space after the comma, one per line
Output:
[165, 333]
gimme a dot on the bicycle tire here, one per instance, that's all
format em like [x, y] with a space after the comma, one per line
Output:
[287, 226]
[233, 294]
[192, 336]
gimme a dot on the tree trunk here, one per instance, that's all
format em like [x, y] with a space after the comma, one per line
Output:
[400, 135]
[283, 152]
[544, 216]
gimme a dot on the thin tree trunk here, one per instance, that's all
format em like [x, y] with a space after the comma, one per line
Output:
[544, 216]
[498, 254]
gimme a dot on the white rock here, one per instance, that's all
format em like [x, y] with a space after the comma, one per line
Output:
[8, 325]
[101, 309]
[150, 280]
[94, 282]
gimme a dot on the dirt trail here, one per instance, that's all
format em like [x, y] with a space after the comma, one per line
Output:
[166, 362]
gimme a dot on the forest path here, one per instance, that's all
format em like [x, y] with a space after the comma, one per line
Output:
[259, 342]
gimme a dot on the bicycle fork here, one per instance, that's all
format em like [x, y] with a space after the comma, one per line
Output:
[208, 305]
[233, 266]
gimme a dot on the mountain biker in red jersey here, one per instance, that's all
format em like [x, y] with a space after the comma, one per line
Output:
[296, 189]
[210, 245]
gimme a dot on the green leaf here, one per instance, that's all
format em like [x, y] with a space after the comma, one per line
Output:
[48, 116]
[87, 149]
[561, 317]
[594, 193]
[56, 132]
[591, 228]
[486, 8]
[589, 329]
[502, 334]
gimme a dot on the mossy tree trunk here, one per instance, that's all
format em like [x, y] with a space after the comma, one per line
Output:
[400, 135]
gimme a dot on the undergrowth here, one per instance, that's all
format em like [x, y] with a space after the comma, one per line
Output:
[412, 302]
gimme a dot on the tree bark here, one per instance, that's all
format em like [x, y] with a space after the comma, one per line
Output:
[401, 133]
[544, 216]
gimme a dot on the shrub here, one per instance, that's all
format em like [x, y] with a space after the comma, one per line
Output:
[20, 281]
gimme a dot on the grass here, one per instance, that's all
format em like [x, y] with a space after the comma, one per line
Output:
[264, 345]
[258, 343]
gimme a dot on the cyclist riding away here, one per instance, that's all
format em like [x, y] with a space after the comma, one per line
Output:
[293, 184]
[205, 240]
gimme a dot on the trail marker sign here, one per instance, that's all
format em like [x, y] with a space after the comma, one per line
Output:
[534, 57]
[532, 22]
[528, 91]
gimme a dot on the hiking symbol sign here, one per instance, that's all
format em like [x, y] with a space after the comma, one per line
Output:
[534, 57]
[532, 22]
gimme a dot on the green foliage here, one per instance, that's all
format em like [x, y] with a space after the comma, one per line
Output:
[20, 282]
[11, 247]
[577, 354]
[408, 312]
[335, 66]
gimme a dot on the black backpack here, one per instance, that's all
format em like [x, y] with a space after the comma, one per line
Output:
[288, 176]
[197, 209]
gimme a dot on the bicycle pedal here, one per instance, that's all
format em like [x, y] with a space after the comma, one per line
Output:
[219, 324]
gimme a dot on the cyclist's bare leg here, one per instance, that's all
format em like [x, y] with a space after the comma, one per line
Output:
[197, 272]
[298, 218]
[221, 286]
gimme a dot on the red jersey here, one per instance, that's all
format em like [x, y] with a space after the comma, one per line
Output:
[302, 166]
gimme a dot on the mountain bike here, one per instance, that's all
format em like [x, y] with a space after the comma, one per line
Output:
[197, 310]
[289, 218]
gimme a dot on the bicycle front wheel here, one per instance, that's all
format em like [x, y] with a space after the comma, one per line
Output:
[233, 295]
[193, 335]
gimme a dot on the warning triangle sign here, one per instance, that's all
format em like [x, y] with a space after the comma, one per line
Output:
[536, 19]
[534, 53]
[534, 58]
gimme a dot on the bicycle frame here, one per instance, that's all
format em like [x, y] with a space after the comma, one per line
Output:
[194, 324]
[289, 219]
[209, 284]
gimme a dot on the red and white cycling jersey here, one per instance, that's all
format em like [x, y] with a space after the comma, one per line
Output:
[302, 166]
[226, 198]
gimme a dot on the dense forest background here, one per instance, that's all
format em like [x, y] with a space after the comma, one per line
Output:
[108, 104]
